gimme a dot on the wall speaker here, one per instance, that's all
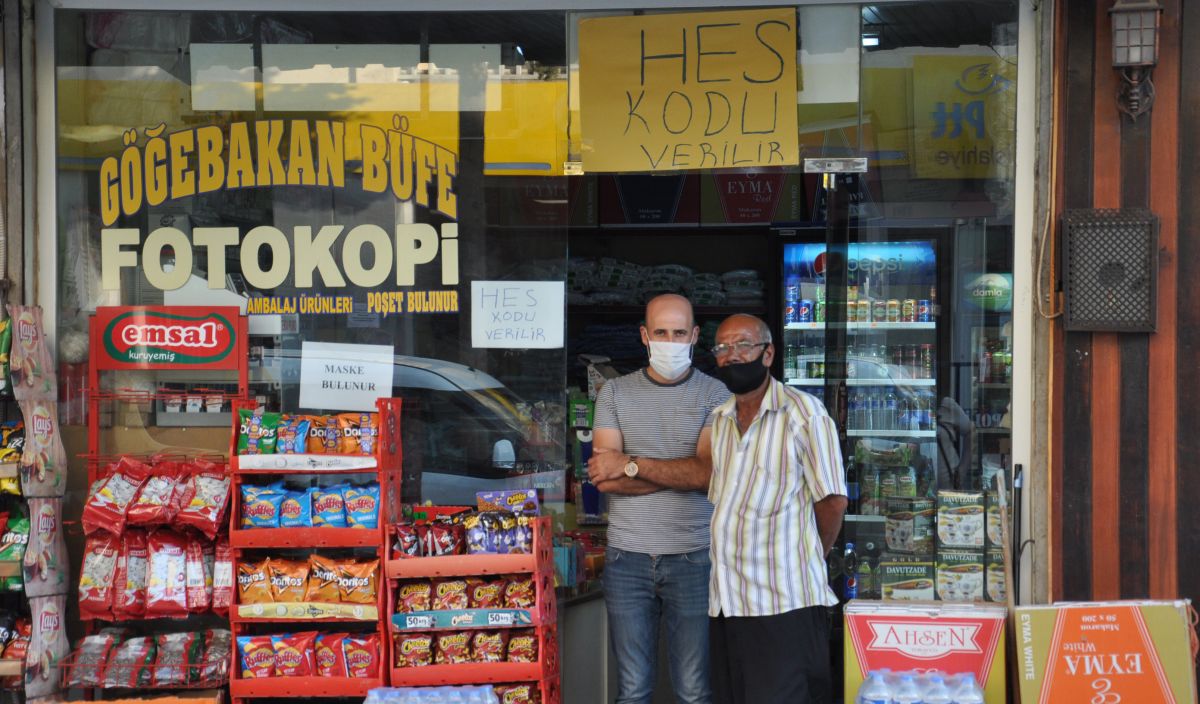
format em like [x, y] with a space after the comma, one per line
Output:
[1110, 270]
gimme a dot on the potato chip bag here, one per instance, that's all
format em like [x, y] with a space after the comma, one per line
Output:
[257, 432]
[294, 654]
[329, 507]
[31, 366]
[292, 436]
[254, 583]
[486, 594]
[488, 646]
[362, 655]
[296, 509]
[450, 595]
[523, 646]
[362, 506]
[12, 549]
[359, 433]
[413, 596]
[452, 648]
[261, 506]
[414, 649]
[519, 593]
[330, 660]
[257, 655]
[289, 580]
[358, 581]
[323, 576]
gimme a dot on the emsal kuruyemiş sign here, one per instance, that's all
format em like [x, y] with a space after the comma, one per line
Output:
[180, 337]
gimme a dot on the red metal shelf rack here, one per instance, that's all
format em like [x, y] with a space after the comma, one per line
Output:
[387, 472]
[539, 564]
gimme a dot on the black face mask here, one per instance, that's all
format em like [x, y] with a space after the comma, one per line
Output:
[743, 377]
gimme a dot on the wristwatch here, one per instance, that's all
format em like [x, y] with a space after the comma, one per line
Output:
[631, 468]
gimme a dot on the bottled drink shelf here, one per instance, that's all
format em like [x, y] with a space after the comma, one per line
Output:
[869, 326]
[866, 382]
[891, 433]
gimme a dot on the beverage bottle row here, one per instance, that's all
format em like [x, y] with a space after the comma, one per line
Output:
[852, 573]
[863, 305]
[882, 408]
[885, 687]
[804, 361]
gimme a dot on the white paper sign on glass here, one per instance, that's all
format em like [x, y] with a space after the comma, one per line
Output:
[517, 314]
[340, 377]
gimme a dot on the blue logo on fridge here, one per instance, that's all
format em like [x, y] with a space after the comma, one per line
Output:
[900, 262]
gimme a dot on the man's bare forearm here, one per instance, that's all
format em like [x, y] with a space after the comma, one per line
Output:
[829, 512]
[626, 486]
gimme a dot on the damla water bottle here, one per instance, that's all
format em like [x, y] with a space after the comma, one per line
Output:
[907, 691]
[937, 692]
[968, 691]
[874, 690]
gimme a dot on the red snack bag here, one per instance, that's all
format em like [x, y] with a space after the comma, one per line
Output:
[153, 505]
[362, 655]
[222, 594]
[198, 598]
[205, 498]
[414, 650]
[488, 646]
[129, 597]
[294, 654]
[330, 660]
[486, 594]
[517, 694]
[109, 501]
[257, 654]
[452, 648]
[519, 593]
[15, 650]
[413, 597]
[450, 594]
[522, 646]
[408, 542]
[97, 576]
[166, 575]
[445, 539]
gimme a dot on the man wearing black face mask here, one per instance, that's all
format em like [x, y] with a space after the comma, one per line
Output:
[779, 493]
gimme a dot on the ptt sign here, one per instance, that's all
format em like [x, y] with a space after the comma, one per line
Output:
[964, 116]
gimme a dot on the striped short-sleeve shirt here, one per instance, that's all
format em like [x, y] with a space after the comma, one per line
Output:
[767, 557]
[659, 421]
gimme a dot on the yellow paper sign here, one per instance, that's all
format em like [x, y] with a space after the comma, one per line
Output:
[707, 90]
[964, 116]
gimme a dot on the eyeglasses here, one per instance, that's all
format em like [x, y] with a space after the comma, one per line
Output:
[741, 348]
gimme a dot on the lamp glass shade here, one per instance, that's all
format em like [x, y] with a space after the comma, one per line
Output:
[1135, 36]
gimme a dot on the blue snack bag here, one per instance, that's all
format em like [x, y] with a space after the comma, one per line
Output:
[296, 509]
[260, 506]
[329, 507]
[291, 438]
[362, 505]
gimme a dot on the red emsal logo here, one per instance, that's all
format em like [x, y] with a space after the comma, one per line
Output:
[151, 337]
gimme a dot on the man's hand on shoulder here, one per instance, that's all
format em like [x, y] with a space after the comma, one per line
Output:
[606, 465]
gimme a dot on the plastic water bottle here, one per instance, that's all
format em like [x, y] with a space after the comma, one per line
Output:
[907, 692]
[874, 690]
[937, 692]
[968, 691]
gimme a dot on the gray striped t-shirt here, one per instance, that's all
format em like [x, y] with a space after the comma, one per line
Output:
[659, 421]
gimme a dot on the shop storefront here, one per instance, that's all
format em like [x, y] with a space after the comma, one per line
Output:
[468, 211]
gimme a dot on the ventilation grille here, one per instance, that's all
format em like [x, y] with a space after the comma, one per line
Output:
[1110, 270]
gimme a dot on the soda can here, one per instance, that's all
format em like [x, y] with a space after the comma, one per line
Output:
[879, 311]
[852, 293]
[908, 311]
[893, 311]
[804, 313]
[864, 310]
[926, 361]
[819, 312]
[851, 311]
[924, 311]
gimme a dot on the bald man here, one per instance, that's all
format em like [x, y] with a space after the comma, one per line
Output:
[653, 459]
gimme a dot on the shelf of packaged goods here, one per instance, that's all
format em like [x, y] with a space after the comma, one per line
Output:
[465, 673]
[305, 537]
[891, 433]
[314, 464]
[871, 326]
[303, 612]
[866, 382]
[460, 565]
[342, 687]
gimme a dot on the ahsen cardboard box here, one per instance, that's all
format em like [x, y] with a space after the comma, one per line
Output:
[924, 636]
[1119, 651]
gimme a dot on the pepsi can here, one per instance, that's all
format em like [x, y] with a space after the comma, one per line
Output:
[924, 311]
[804, 312]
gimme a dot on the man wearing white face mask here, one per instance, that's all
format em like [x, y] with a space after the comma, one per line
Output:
[653, 457]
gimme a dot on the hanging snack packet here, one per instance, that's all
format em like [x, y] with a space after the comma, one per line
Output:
[12, 549]
[452, 648]
[261, 506]
[91, 657]
[414, 650]
[357, 581]
[292, 436]
[254, 582]
[131, 664]
[330, 658]
[323, 576]
[294, 654]
[97, 576]
[362, 655]
[43, 468]
[413, 597]
[257, 432]
[153, 505]
[289, 580]
[44, 565]
[109, 502]
[198, 598]
[258, 656]
[358, 433]
[166, 575]
[177, 659]
[329, 507]
[362, 506]
[129, 599]
[205, 498]
[222, 595]
[30, 363]
[296, 509]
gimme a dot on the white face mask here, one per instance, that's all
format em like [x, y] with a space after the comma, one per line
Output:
[670, 359]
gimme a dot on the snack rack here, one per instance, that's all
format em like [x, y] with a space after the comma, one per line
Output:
[542, 618]
[383, 466]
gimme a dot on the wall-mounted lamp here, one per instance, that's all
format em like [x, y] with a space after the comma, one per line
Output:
[1135, 52]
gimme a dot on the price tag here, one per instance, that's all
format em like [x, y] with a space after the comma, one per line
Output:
[500, 619]
[418, 622]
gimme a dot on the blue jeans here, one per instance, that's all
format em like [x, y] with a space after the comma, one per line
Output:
[640, 590]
